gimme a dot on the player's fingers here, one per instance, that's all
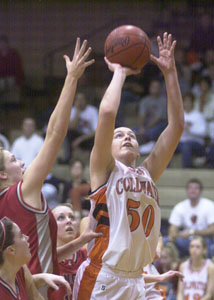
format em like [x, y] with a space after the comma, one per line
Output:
[160, 44]
[67, 59]
[172, 49]
[169, 41]
[77, 47]
[85, 56]
[82, 49]
[90, 62]
[165, 39]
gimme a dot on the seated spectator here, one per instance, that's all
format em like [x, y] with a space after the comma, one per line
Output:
[152, 114]
[198, 273]
[16, 281]
[83, 123]
[184, 72]
[193, 216]
[11, 74]
[169, 261]
[51, 190]
[192, 142]
[205, 101]
[27, 146]
[77, 189]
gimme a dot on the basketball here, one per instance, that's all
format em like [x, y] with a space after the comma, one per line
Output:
[128, 46]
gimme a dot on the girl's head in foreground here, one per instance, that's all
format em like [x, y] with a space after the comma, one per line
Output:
[197, 248]
[125, 147]
[66, 223]
[11, 169]
[14, 245]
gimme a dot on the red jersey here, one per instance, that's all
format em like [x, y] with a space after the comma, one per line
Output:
[39, 225]
[68, 268]
[7, 292]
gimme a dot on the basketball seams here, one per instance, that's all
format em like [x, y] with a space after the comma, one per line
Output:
[123, 50]
[128, 48]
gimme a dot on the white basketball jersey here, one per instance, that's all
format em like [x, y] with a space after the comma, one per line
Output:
[127, 212]
[195, 283]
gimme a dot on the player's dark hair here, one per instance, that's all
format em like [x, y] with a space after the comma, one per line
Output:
[6, 236]
[195, 180]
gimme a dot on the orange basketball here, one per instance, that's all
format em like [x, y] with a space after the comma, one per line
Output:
[129, 46]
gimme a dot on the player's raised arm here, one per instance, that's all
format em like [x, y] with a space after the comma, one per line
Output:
[57, 127]
[101, 161]
[169, 139]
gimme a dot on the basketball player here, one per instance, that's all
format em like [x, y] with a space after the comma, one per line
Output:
[20, 196]
[69, 261]
[16, 282]
[198, 273]
[124, 198]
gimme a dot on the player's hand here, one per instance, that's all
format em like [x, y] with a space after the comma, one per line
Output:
[52, 280]
[88, 234]
[127, 71]
[77, 66]
[166, 60]
[170, 274]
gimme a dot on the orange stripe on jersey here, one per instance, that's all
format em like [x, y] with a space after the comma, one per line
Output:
[88, 281]
[98, 195]
[162, 291]
[100, 246]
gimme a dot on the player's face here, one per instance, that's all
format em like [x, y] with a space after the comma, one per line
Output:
[14, 168]
[196, 249]
[165, 258]
[66, 223]
[193, 191]
[22, 250]
[124, 144]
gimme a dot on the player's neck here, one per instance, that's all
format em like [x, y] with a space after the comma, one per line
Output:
[8, 275]
[197, 264]
[129, 162]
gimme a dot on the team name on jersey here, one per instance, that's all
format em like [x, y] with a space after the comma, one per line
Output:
[195, 285]
[130, 184]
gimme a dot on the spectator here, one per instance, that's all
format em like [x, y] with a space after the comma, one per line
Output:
[184, 72]
[193, 138]
[205, 101]
[83, 123]
[198, 273]
[51, 190]
[11, 73]
[27, 146]
[193, 216]
[152, 114]
[77, 189]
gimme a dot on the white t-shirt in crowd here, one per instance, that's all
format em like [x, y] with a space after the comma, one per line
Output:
[88, 119]
[27, 149]
[198, 217]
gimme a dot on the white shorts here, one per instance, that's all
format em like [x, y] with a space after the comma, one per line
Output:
[93, 283]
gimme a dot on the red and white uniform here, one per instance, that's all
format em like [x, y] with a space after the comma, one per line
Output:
[127, 212]
[39, 225]
[195, 283]
[68, 268]
[152, 290]
[8, 293]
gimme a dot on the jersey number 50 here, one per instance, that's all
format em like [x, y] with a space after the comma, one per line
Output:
[148, 216]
